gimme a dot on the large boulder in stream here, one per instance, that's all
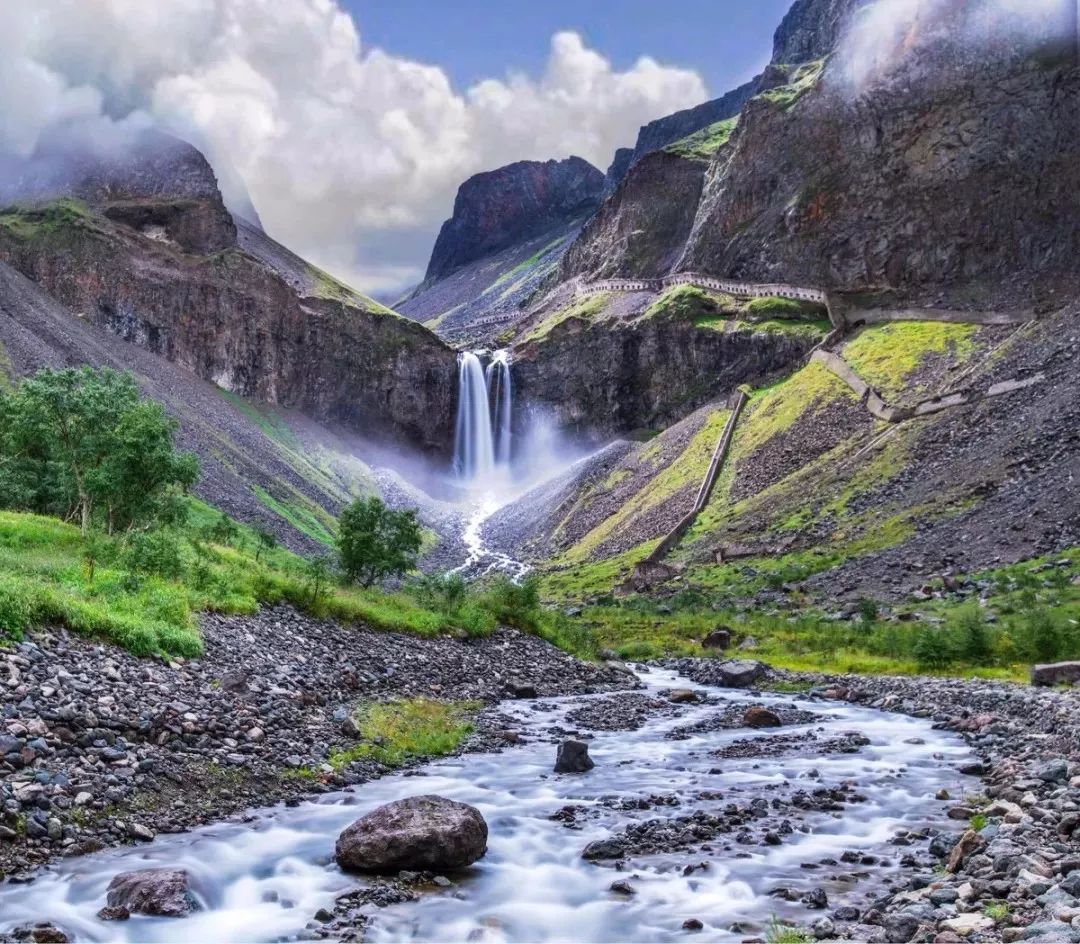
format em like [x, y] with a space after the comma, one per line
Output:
[164, 892]
[421, 833]
[758, 716]
[739, 673]
[573, 758]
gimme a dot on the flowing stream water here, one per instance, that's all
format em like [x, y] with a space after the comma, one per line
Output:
[263, 879]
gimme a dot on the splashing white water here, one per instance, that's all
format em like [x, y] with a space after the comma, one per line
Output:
[474, 451]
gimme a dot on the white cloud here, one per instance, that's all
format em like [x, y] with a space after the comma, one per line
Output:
[338, 144]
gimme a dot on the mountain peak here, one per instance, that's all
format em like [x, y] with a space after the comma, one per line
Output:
[497, 208]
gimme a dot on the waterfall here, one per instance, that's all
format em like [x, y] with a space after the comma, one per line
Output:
[482, 438]
[500, 396]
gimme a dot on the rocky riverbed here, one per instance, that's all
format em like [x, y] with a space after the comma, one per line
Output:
[1010, 870]
[657, 838]
[98, 747]
[930, 838]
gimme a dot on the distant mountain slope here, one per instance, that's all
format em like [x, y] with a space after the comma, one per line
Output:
[253, 465]
[508, 231]
[162, 265]
[478, 302]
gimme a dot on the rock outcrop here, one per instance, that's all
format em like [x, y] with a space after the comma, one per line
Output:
[421, 833]
[660, 133]
[498, 208]
[147, 251]
[654, 370]
[812, 28]
[641, 229]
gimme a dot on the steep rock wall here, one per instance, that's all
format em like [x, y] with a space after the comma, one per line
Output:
[502, 207]
[641, 229]
[950, 185]
[604, 379]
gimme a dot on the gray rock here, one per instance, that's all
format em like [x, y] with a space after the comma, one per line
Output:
[740, 673]
[1055, 673]
[573, 758]
[717, 639]
[164, 892]
[423, 833]
[1054, 770]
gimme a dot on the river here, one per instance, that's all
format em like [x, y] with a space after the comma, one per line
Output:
[264, 878]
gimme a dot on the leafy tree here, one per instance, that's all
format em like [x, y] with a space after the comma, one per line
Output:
[82, 443]
[376, 542]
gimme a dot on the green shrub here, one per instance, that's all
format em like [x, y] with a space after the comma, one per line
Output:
[514, 604]
[17, 610]
[933, 649]
[155, 552]
[975, 644]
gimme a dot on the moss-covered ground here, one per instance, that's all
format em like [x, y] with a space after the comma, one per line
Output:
[585, 309]
[1004, 620]
[889, 356]
[703, 144]
[397, 732]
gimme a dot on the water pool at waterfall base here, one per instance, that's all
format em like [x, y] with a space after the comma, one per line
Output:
[704, 818]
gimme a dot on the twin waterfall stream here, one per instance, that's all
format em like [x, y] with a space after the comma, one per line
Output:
[485, 400]
[483, 442]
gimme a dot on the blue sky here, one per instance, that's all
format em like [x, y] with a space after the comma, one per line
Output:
[726, 41]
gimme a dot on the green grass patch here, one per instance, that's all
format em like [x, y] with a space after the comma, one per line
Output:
[886, 356]
[692, 303]
[775, 409]
[307, 517]
[703, 144]
[397, 732]
[586, 309]
[802, 80]
[324, 285]
[774, 306]
[45, 220]
[688, 468]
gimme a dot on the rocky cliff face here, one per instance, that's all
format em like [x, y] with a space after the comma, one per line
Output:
[500, 208]
[812, 28]
[937, 185]
[164, 271]
[641, 229]
[613, 376]
[946, 179]
[671, 128]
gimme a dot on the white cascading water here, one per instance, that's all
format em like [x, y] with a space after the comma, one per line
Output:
[262, 879]
[501, 398]
[483, 449]
[482, 440]
[474, 450]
